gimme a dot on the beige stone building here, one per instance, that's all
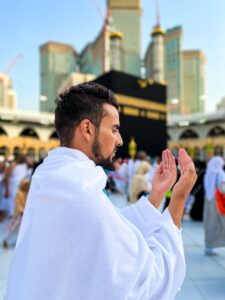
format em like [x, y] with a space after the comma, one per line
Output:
[203, 135]
[26, 132]
[74, 79]
[8, 97]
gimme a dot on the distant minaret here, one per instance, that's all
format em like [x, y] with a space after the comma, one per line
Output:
[155, 53]
[116, 50]
[113, 46]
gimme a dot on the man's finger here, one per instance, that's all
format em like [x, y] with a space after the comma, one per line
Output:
[166, 155]
[163, 158]
[184, 156]
[181, 165]
[174, 167]
[171, 161]
[183, 159]
[160, 168]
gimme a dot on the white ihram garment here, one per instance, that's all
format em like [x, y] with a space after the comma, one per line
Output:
[73, 243]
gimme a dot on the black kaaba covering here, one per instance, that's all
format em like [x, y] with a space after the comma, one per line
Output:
[149, 134]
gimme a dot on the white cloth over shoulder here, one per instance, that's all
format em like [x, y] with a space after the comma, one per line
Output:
[74, 244]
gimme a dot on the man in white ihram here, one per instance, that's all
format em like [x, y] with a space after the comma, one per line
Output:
[73, 243]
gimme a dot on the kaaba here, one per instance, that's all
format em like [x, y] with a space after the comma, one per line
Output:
[142, 111]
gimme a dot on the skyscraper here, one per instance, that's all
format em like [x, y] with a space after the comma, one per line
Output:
[183, 71]
[173, 69]
[193, 99]
[57, 62]
[91, 57]
[126, 17]
[117, 46]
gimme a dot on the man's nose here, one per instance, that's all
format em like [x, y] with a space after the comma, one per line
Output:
[119, 142]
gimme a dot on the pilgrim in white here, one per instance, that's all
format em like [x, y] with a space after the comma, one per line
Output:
[73, 243]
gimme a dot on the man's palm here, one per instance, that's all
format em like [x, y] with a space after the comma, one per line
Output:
[166, 175]
[188, 175]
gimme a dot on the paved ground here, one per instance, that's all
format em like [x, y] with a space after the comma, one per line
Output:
[205, 278]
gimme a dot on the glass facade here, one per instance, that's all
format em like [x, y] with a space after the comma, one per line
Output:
[124, 18]
[57, 62]
[193, 76]
[173, 69]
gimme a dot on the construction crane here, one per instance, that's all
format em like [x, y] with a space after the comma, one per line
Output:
[12, 64]
[98, 9]
[104, 31]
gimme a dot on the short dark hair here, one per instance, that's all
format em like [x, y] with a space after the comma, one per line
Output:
[79, 102]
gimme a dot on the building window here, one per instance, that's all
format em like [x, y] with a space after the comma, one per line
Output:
[2, 131]
[54, 135]
[216, 131]
[29, 132]
[189, 134]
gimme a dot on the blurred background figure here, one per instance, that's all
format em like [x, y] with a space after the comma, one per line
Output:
[2, 189]
[119, 176]
[17, 171]
[132, 166]
[14, 224]
[214, 222]
[196, 211]
[139, 183]
[156, 162]
[30, 166]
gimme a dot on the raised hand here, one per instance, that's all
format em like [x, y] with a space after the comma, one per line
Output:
[164, 178]
[183, 187]
[188, 175]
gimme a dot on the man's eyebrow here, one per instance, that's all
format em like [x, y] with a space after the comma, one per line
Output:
[116, 126]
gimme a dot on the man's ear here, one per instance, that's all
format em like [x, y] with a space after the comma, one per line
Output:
[87, 129]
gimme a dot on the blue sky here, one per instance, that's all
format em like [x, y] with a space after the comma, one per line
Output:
[25, 25]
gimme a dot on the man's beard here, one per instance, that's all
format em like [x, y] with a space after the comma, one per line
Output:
[106, 163]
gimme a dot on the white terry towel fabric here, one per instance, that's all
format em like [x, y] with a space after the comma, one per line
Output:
[74, 244]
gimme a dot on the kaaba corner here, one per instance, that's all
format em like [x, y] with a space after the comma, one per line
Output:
[143, 111]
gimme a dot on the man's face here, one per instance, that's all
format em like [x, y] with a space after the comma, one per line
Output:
[107, 138]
